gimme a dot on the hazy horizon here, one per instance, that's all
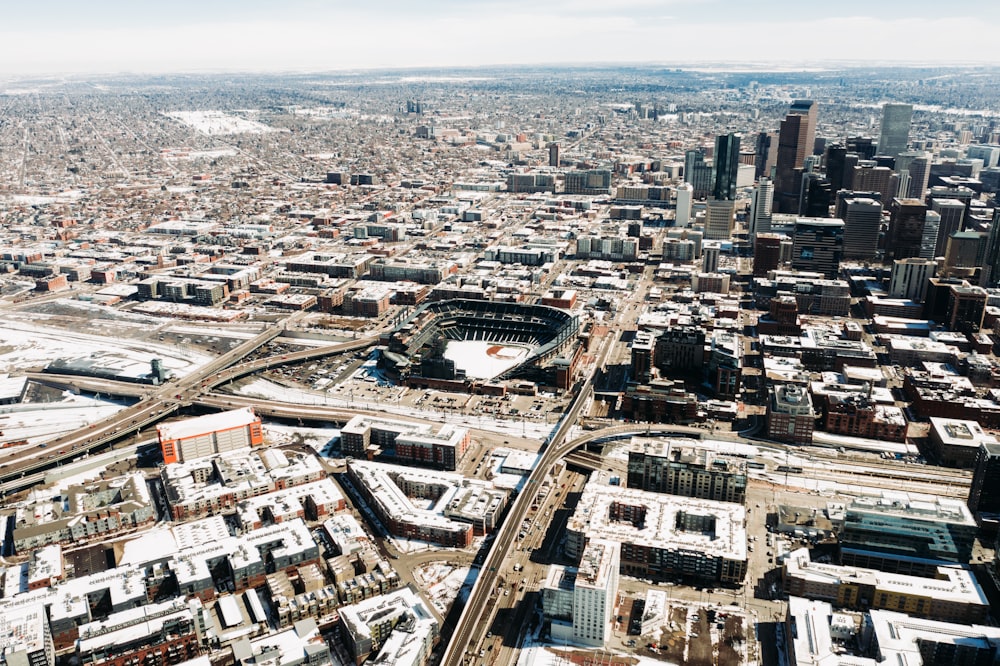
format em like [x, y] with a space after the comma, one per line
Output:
[62, 37]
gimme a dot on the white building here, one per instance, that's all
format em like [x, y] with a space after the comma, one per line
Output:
[665, 535]
[909, 278]
[684, 195]
[595, 592]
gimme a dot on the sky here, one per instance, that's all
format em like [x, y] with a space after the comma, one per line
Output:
[138, 36]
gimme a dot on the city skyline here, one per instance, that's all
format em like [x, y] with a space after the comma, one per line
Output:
[114, 37]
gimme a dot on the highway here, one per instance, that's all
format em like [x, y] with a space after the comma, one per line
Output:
[473, 622]
[155, 404]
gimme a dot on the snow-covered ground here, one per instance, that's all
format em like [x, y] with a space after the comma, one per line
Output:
[471, 356]
[27, 345]
[412, 545]
[441, 583]
[318, 439]
[217, 122]
[184, 154]
[40, 422]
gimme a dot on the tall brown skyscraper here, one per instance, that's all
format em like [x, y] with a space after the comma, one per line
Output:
[796, 137]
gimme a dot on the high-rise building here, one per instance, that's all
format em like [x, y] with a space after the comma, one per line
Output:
[895, 132]
[905, 159]
[765, 154]
[869, 176]
[964, 252]
[642, 356]
[816, 196]
[684, 195]
[886, 161]
[720, 216]
[991, 262]
[920, 175]
[966, 309]
[766, 253]
[553, 154]
[906, 228]
[726, 166]
[593, 182]
[909, 278]
[795, 140]
[595, 591]
[843, 195]
[818, 245]
[698, 173]
[952, 214]
[984, 492]
[836, 154]
[903, 181]
[710, 258]
[989, 154]
[862, 220]
[761, 200]
[928, 243]
[864, 146]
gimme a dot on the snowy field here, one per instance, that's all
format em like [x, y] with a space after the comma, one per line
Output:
[484, 360]
[318, 439]
[26, 345]
[441, 583]
[67, 196]
[40, 422]
[184, 154]
[217, 122]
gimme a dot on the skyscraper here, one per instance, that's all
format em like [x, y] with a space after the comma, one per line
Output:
[553, 154]
[928, 242]
[966, 309]
[765, 154]
[796, 137]
[920, 175]
[818, 245]
[836, 154]
[761, 200]
[595, 591]
[895, 132]
[684, 196]
[710, 258]
[984, 492]
[903, 181]
[868, 176]
[906, 228]
[720, 215]
[726, 165]
[991, 262]
[698, 173]
[766, 253]
[952, 214]
[816, 196]
[864, 146]
[862, 219]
